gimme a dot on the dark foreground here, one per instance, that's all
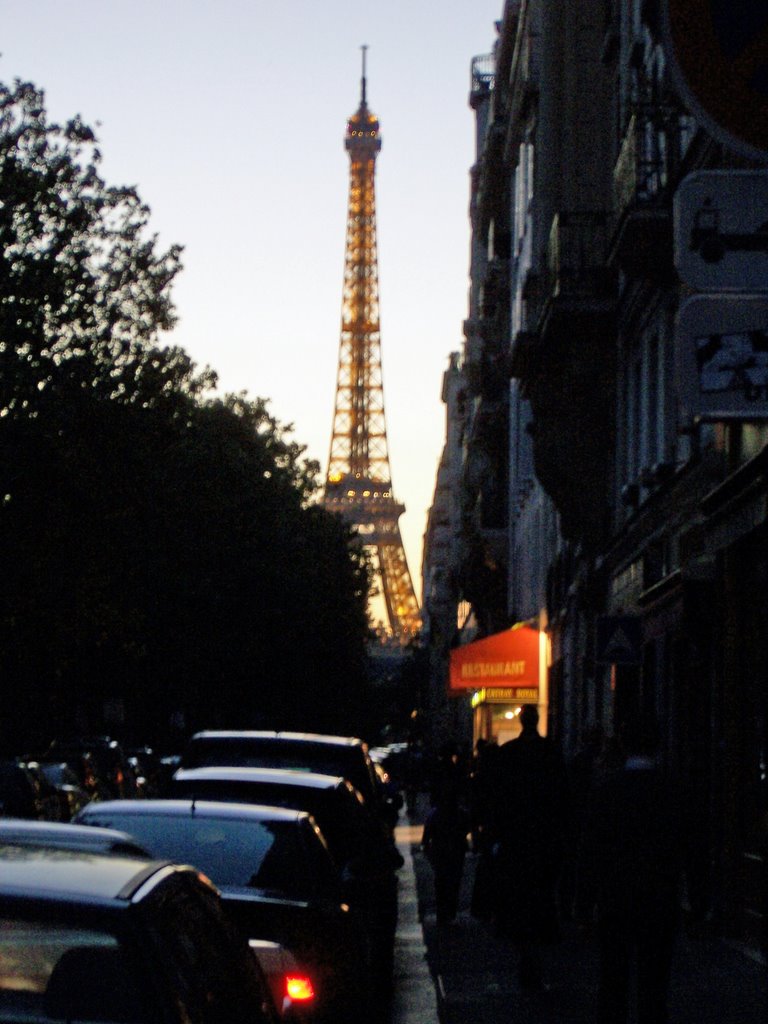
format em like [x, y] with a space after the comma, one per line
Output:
[473, 971]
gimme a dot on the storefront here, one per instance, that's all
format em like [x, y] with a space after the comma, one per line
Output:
[499, 674]
[735, 543]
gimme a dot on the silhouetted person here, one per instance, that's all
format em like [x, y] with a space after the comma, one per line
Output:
[633, 849]
[445, 832]
[476, 789]
[584, 771]
[414, 780]
[529, 806]
[483, 898]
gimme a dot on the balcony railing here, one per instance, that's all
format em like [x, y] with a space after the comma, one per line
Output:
[483, 73]
[649, 157]
[644, 176]
[640, 171]
[495, 287]
[576, 254]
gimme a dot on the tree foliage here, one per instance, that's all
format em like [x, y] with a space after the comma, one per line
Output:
[162, 555]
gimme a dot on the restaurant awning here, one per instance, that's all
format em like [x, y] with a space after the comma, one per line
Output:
[509, 659]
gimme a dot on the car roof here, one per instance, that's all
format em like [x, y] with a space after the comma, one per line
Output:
[267, 734]
[186, 807]
[67, 836]
[282, 776]
[47, 872]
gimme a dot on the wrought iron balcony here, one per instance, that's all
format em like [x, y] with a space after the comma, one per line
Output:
[639, 175]
[564, 364]
[649, 155]
[495, 289]
[576, 253]
[483, 73]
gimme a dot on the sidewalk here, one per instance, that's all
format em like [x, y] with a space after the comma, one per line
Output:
[414, 1000]
[474, 981]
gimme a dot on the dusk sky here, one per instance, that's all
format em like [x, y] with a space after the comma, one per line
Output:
[229, 117]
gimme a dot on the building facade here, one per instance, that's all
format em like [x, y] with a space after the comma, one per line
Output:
[592, 500]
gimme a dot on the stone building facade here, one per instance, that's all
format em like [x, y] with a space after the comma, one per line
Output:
[583, 494]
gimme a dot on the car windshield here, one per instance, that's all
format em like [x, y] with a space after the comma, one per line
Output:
[233, 853]
[51, 971]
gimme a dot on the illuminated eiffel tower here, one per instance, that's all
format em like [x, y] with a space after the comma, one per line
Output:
[358, 484]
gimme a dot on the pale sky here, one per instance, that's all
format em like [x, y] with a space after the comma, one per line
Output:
[229, 117]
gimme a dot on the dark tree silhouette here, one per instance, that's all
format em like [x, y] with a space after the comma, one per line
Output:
[164, 563]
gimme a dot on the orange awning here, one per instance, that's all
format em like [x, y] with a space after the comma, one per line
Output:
[509, 659]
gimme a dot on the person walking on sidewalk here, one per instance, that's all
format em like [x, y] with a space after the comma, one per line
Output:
[444, 840]
[528, 798]
[483, 899]
[633, 850]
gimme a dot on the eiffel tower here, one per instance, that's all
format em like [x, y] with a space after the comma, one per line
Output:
[358, 484]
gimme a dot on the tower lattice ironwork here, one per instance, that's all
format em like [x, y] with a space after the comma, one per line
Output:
[358, 484]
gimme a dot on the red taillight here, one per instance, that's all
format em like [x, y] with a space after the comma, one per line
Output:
[298, 987]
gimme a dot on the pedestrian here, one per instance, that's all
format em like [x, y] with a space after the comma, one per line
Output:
[528, 799]
[414, 781]
[584, 770]
[444, 839]
[483, 898]
[476, 790]
[634, 851]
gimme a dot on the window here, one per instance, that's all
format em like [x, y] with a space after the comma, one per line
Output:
[49, 971]
[233, 853]
[642, 435]
[653, 389]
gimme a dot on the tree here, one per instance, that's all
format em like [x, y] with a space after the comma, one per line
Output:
[162, 552]
[83, 289]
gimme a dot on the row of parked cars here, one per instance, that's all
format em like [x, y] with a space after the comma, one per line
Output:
[56, 784]
[290, 859]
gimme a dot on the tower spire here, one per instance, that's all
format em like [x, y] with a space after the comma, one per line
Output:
[358, 482]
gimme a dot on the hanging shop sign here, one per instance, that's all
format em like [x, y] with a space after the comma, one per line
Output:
[509, 659]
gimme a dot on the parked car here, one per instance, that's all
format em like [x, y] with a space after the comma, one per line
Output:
[70, 794]
[82, 763]
[291, 988]
[101, 759]
[301, 751]
[67, 836]
[276, 876]
[291, 984]
[363, 851]
[19, 797]
[147, 769]
[86, 937]
[168, 765]
[47, 796]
